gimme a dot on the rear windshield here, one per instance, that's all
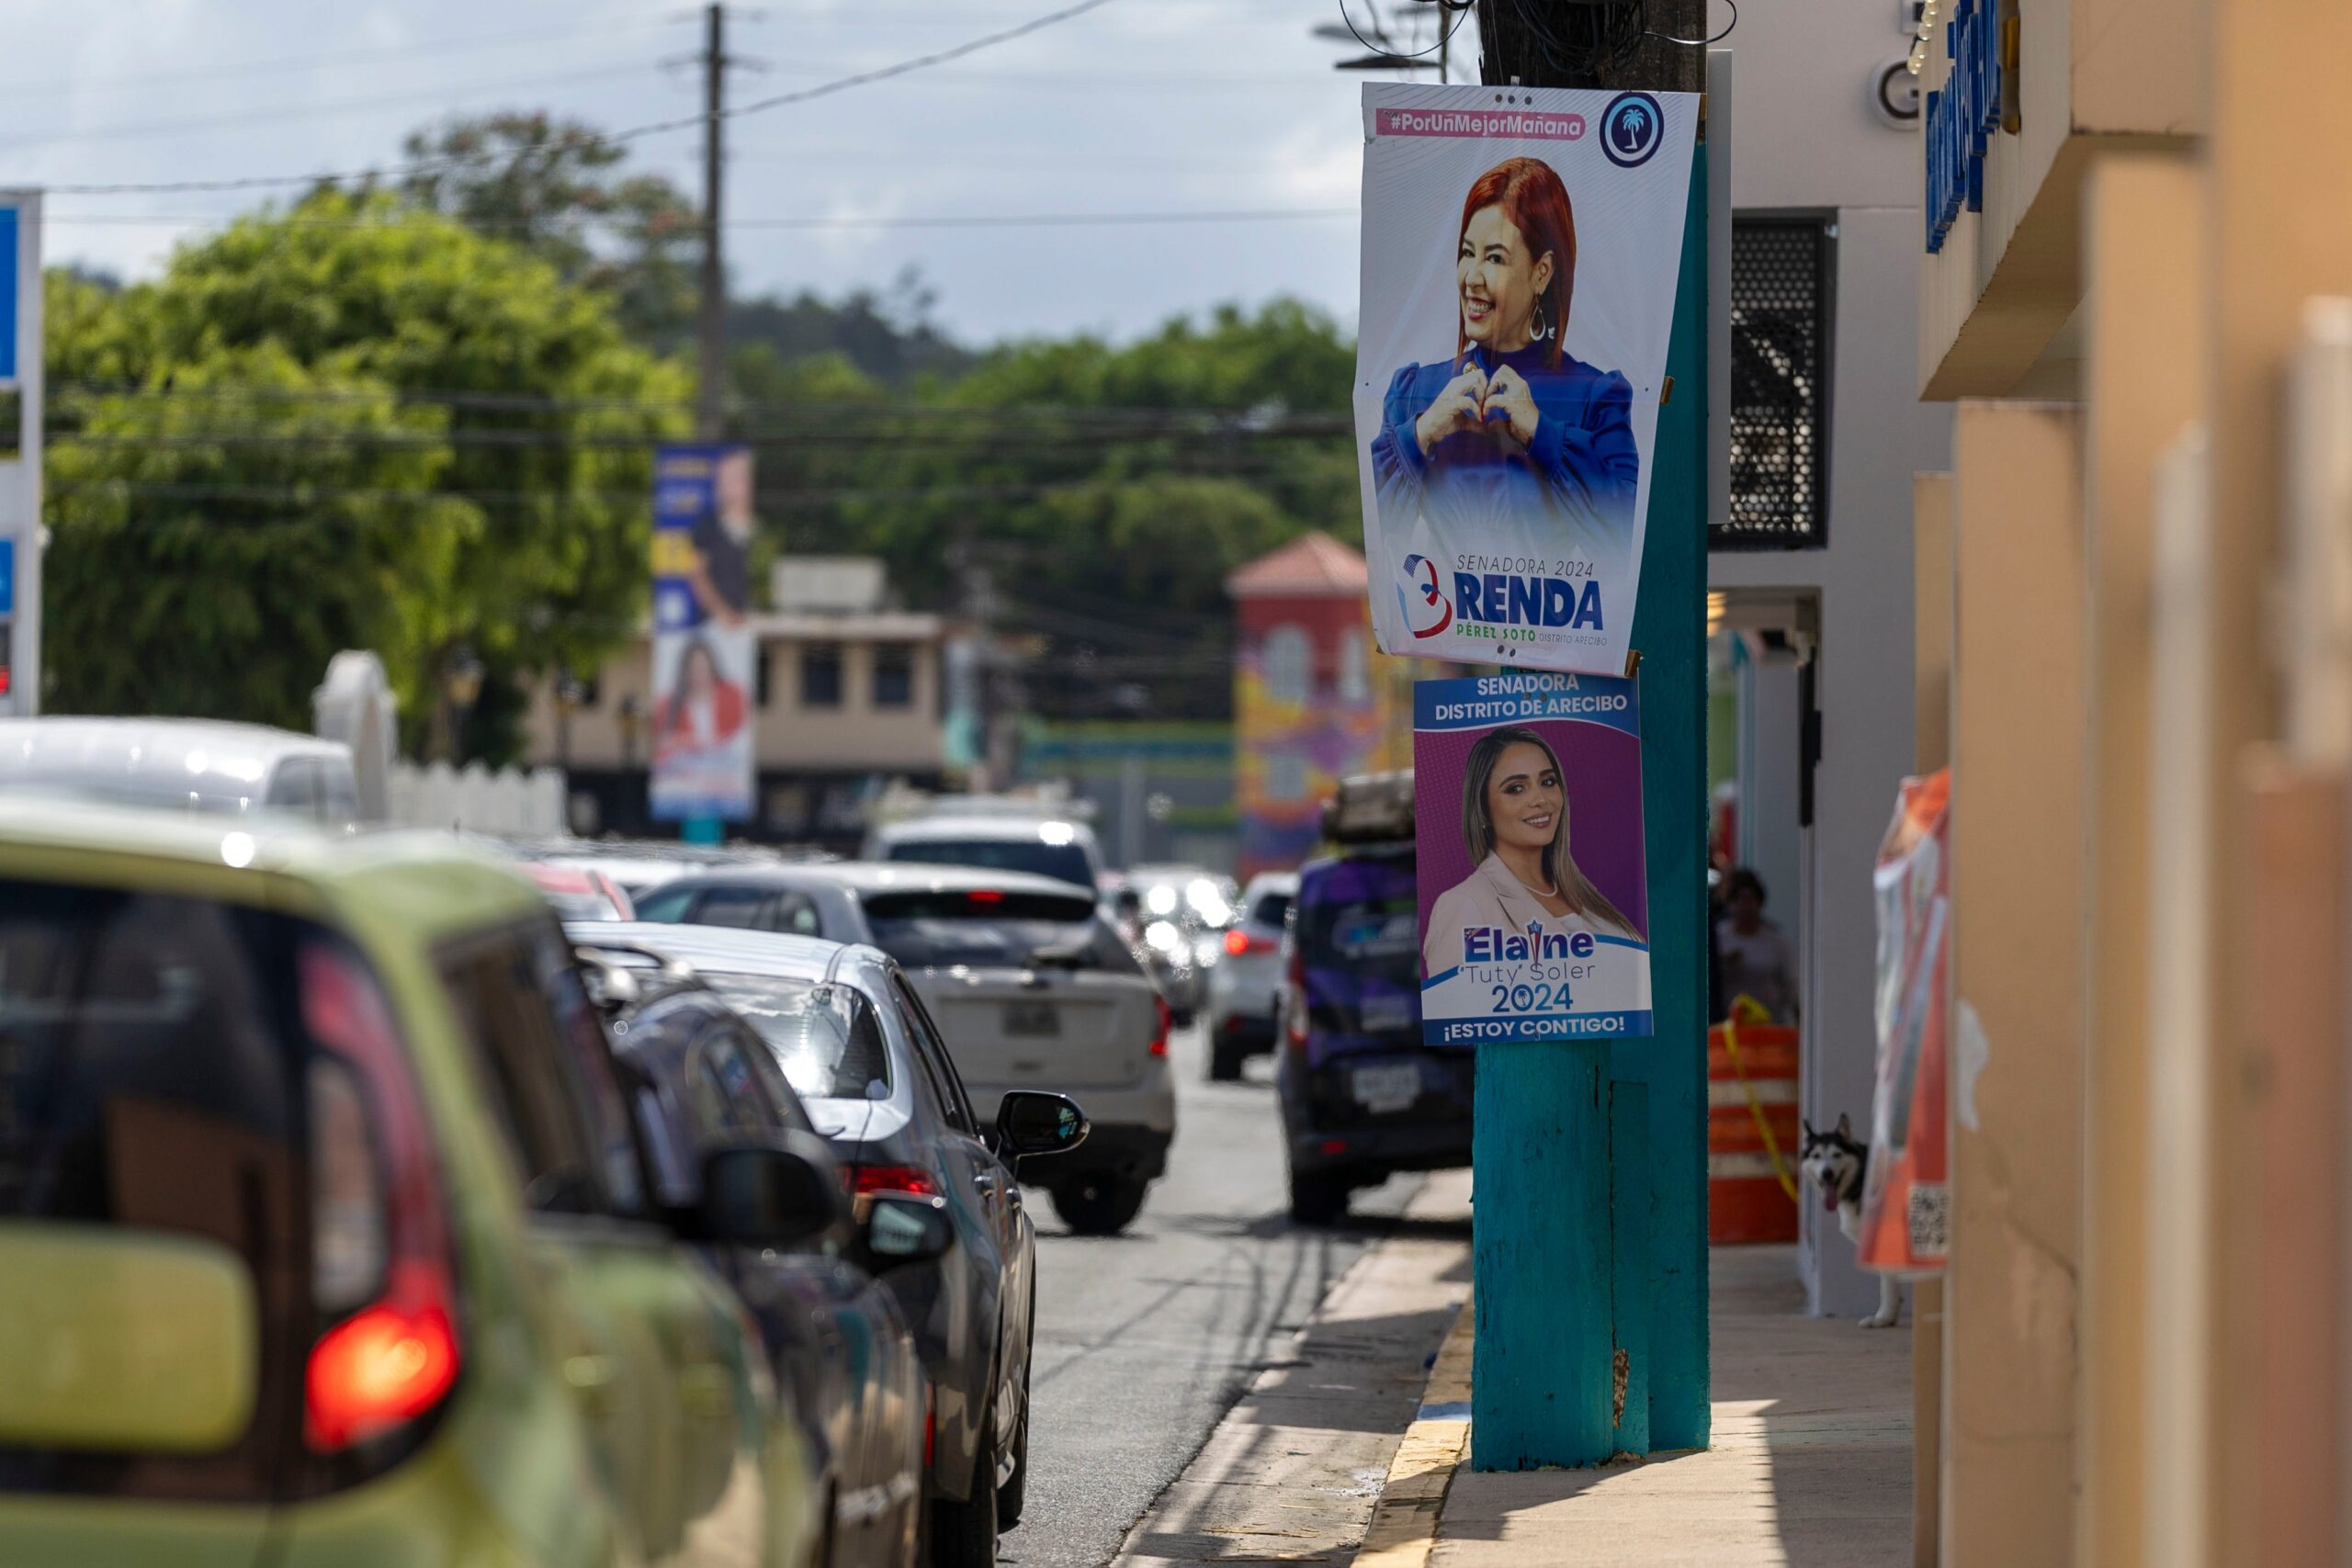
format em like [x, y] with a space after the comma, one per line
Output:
[1063, 863]
[1271, 909]
[152, 1080]
[825, 1037]
[1362, 916]
[987, 930]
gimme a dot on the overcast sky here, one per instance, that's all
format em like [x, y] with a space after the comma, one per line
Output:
[1139, 106]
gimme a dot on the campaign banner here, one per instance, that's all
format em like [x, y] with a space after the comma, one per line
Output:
[704, 650]
[1521, 249]
[1906, 1192]
[1528, 852]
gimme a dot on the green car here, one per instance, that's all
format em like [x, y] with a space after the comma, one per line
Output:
[324, 1233]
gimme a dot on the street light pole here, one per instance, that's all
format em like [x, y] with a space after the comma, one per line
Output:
[1589, 1156]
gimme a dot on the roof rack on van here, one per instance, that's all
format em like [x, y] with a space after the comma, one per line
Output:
[1371, 808]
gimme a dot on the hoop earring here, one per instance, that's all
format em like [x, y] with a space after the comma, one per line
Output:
[1543, 322]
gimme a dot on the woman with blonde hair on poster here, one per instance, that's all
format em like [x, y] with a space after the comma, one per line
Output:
[1515, 826]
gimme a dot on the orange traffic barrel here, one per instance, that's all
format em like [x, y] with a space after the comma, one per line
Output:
[1749, 1176]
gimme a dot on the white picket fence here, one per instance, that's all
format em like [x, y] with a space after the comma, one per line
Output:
[477, 800]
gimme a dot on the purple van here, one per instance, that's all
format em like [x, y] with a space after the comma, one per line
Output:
[1361, 1096]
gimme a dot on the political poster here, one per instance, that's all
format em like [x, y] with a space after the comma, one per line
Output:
[1906, 1192]
[1521, 249]
[703, 651]
[1528, 852]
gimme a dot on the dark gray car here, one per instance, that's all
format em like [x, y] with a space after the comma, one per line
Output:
[700, 1079]
[855, 1043]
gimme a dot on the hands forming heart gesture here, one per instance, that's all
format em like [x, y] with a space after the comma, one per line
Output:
[1473, 401]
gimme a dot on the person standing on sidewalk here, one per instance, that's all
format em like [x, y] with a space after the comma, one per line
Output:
[1758, 959]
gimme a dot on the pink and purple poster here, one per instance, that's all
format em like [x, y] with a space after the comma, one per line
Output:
[1528, 811]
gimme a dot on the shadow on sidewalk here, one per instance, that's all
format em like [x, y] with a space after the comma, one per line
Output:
[1811, 1461]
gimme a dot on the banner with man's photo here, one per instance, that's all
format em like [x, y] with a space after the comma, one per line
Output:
[704, 650]
[1527, 791]
[1521, 249]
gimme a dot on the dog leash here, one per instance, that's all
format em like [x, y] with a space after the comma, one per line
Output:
[1754, 1012]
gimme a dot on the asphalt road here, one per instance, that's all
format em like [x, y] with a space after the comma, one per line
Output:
[1145, 1339]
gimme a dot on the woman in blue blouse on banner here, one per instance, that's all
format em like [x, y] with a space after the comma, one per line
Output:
[1513, 427]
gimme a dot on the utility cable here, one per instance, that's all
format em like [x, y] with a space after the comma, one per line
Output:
[613, 139]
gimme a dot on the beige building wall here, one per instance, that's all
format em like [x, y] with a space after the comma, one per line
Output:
[1931, 658]
[2019, 965]
[2093, 77]
[2140, 391]
[787, 732]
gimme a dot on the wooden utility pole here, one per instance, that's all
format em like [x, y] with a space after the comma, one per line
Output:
[1589, 1156]
[710, 388]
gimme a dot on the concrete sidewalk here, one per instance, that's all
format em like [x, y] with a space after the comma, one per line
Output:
[1294, 1470]
[1811, 1466]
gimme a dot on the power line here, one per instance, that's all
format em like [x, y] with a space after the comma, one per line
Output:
[1219, 420]
[936, 221]
[759, 105]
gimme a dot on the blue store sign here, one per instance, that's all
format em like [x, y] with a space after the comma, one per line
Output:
[7, 580]
[1961, 117]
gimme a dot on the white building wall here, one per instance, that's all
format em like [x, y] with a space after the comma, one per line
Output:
[1804, 138]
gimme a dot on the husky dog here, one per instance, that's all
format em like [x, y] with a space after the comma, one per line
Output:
[1835, 1163]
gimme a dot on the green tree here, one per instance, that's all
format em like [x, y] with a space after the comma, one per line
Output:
[193, 575]
[1108, 489]
[526, 423]
[558, 188]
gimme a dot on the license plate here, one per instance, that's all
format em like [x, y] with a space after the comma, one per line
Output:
[1032, 1019]
[1386, 1014]
[1386, 1089]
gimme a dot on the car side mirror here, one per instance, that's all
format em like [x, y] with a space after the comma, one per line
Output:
[1032, 1122]
[767, 1195]
[903, 1227]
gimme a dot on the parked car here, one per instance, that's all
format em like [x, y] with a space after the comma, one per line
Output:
[1175, 917]
[578, 892]
[322, 1216]
[1031, 986]
[856, 1044]
[1245, 988]
[189, 764]
[1058, 847]
[700, 1079]
[1361, 1096]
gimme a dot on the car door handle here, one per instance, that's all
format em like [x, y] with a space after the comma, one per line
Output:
[984, 1181]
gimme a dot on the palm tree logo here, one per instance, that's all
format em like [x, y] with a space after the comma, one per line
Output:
[1631, 126]
[1632, 129]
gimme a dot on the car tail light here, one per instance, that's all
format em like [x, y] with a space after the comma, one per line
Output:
[1166, 1021]
[381, 1272]
[1240, 943]
[1295, 1005]
[984, 896]
[911, 1179]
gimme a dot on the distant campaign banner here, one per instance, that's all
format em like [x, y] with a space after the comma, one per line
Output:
[1520, 248]
[1528, 814]
[703, 647]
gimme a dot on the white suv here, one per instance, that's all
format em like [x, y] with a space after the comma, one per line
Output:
[1043, 846]
[1030, 986]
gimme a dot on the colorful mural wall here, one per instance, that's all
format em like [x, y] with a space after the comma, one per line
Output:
[1312, 702]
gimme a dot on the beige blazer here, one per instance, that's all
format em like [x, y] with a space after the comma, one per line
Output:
[1489, 896]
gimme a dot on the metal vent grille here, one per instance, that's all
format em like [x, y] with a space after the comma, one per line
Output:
[1780, 311]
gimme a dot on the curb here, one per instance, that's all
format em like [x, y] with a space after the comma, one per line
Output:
[1403, 1532]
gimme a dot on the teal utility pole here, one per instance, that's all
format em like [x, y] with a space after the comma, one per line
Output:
[1589, 1158]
